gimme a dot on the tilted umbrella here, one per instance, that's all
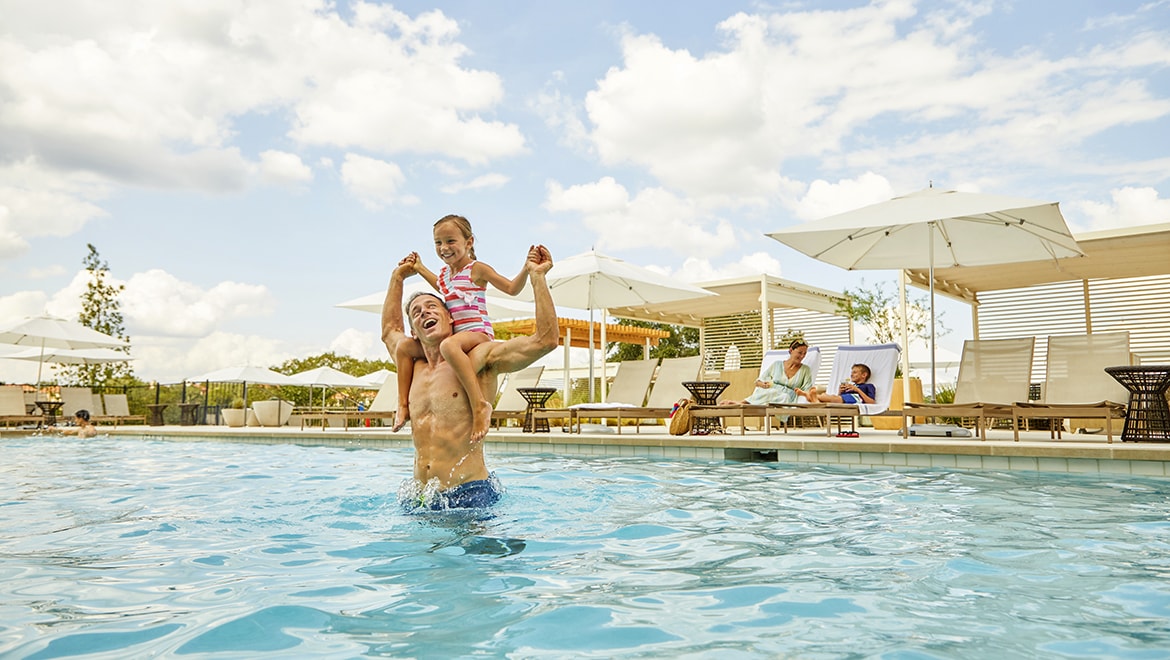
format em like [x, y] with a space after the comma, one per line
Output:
[595, 281]
[48, 332]
[376, 378]
[67, 356]
[935, 227]
[326, 377]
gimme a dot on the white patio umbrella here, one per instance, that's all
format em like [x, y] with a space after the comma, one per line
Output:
[244, 374]
[377, 378]
[324, 377]
[498, 307]
[67, 356]
[48, 332]
[935, 227]
[593, 281]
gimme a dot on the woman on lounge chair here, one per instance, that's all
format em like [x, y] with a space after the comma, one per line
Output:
[779, 384]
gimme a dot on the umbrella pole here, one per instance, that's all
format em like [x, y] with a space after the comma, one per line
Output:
[591, 358]
[905, 335]
[568, 382]
[930, 256]
[604, 387]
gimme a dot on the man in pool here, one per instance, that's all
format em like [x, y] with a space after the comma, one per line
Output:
[449, 468]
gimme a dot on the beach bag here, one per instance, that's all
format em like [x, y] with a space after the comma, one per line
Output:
[680, 418]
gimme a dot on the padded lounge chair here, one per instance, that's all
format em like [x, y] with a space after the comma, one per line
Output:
[628, 391]
[882, 360]
[117, 410]
[74, 399]
[12, 408]
[993, 374]
[736, 391]
[1076, 385]
[511, 405]
[383, 407]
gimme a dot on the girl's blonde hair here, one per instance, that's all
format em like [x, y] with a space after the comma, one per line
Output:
[464, 226]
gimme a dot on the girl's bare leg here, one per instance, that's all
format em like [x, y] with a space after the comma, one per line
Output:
[408, 351]
[454, 350]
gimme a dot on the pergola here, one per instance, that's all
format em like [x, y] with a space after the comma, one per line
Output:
[1100, 289]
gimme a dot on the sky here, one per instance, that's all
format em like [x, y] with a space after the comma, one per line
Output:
[243, 166]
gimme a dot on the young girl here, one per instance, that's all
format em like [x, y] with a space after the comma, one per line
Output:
[462, 283]
[854, 390]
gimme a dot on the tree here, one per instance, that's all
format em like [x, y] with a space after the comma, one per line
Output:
[683, 341]
[877, 309]
[101, 310]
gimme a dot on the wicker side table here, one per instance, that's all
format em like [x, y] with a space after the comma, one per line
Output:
[1147, 417]
[706, 393]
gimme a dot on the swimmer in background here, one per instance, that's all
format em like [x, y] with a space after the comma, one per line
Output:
[84, 428]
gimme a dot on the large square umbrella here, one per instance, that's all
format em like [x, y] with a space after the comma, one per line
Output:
[935, 227]
[324, 377]
[593, 281]
[48, 332]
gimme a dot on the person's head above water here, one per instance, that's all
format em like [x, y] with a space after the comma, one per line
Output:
[82, 414]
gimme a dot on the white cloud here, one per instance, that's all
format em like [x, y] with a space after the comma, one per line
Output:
[138, 93]
[172, 359]
[824, 199]
[624, 223]
[484, 182]
[157, 303]
[46, 271]
[282, 167]
[1128, 207]
[374, 182]
[358, 344]
[828, 87]
[698, 269]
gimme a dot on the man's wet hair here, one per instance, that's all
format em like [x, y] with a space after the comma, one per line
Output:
[82, 414]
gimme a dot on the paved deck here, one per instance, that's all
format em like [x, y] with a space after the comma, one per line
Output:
[874, 449]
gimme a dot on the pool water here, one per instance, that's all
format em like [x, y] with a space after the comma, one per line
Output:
[131, 548]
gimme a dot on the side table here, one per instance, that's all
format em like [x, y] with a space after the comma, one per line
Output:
[187, 413]
[706, 393]
[536, 398]
[49, 411]
[155, 418]
[1147, 417]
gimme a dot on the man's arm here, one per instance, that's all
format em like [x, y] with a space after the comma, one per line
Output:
[520, 352]
[393, 331]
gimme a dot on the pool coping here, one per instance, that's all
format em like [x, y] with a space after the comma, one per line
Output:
[875, 449]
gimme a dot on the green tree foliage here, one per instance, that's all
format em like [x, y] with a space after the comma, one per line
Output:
[100, 310]
[683, 341]
[877, 309]
[350, 365]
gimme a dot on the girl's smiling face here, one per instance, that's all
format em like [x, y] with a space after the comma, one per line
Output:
[452, 246]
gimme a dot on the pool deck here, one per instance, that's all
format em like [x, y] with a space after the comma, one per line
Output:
[874, 449]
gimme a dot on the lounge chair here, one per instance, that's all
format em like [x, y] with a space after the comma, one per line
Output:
[882, 360]
[383, 407]
[74, 399]
[743, 385]
[117, 410]
[993, 374]
[1076, 385]
[511, 405]
[630, 386]
[666, 390]
[12, 408]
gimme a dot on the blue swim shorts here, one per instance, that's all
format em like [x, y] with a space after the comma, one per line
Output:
[478, 494]
[850, 397]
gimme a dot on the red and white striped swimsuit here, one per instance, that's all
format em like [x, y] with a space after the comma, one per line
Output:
[466, 301]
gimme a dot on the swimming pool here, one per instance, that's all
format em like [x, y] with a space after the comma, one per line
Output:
[120, 548]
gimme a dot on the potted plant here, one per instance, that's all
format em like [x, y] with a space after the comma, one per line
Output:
[234, 415]
[273, 412]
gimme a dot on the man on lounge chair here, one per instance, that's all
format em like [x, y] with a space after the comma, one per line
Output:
[449, 468]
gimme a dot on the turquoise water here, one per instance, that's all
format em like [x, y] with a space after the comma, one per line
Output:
[130, 548]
